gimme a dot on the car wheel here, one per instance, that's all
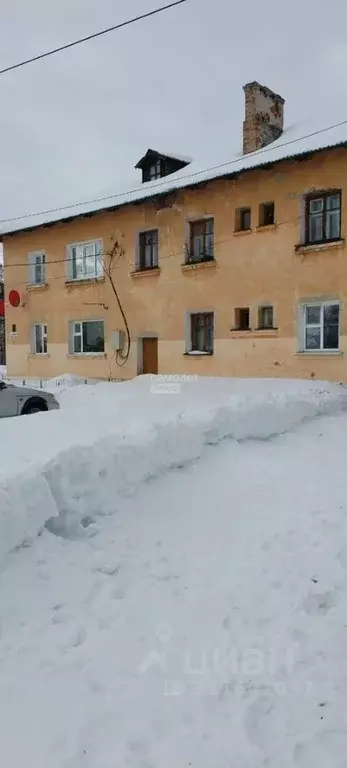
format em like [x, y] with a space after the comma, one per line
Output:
[34, 405]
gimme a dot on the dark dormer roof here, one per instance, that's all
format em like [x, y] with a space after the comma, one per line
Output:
[152, 155]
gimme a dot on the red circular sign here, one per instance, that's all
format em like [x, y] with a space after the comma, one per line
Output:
[14, 298]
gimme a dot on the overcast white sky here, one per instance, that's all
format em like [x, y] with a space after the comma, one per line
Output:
[73, 126]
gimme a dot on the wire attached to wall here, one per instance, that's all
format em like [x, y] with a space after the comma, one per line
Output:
[115, 254]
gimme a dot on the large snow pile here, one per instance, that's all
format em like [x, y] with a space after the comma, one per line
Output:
[79, 462]
[196, 619]
[201, 624]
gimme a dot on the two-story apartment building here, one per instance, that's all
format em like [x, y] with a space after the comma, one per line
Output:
[232, 269]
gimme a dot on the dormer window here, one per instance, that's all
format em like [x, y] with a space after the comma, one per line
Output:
[155, 165]
[154, 171]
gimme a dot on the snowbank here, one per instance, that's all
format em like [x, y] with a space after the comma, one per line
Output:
[107, 439]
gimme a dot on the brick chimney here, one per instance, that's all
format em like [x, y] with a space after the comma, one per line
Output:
[263, 121]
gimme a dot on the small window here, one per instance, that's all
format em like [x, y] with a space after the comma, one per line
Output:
[84, 261]
[266, 214]
[201, 241]
[39, 339]
[154, 170]
[242, 319]
[37, 263]
[242, 219]
[266, 317]
[148, 249]
[14, 328]
[320, 326]
[323, 217]
[88, 337]
[201, 332]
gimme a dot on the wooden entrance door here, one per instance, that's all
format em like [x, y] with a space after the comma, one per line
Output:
[150, 355]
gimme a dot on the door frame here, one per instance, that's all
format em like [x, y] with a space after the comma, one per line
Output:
[139, 341]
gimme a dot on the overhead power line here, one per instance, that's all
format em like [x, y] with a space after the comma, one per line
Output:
[166, 182]
[131, 264]
[93, 36]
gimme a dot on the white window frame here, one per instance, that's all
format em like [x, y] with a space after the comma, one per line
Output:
[302, 326]
[37, 259]
[44, 342]
[79, 334]
[98, 256]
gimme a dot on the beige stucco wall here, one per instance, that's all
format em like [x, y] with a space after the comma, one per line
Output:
[251, 269]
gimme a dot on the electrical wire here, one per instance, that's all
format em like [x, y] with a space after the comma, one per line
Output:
[91, 37]
[167, 181]
[132, 266]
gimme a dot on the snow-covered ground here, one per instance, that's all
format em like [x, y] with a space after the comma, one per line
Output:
[198, 617]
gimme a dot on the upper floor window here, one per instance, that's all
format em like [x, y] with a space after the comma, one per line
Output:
[201, 247]
[266, 214]
[37, 271]
[242, 219]
[148, 249]
[84, 260]
[323, 217]
[242, 319]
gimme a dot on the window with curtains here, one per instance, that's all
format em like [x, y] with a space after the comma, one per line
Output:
[85, 260]
[148, 249]
[201, 332]
[201, 246]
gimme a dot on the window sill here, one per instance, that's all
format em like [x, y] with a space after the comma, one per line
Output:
[38, 354]
[84, 281]
[87, 354]
[145, 272]
[239, 232]
[326, 246]
[198, 354]
[320, 353]
[37, 286]
[265, 227]
[191, 267]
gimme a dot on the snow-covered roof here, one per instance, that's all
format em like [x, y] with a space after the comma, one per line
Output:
[297, 140]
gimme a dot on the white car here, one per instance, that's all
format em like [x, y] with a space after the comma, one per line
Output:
[17, 401]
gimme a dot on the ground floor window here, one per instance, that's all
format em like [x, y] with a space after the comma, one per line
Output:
[39, 339]
[320, 326]
[87, 337]
[201, 332]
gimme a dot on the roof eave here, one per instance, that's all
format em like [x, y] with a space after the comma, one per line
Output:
[169, 190]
